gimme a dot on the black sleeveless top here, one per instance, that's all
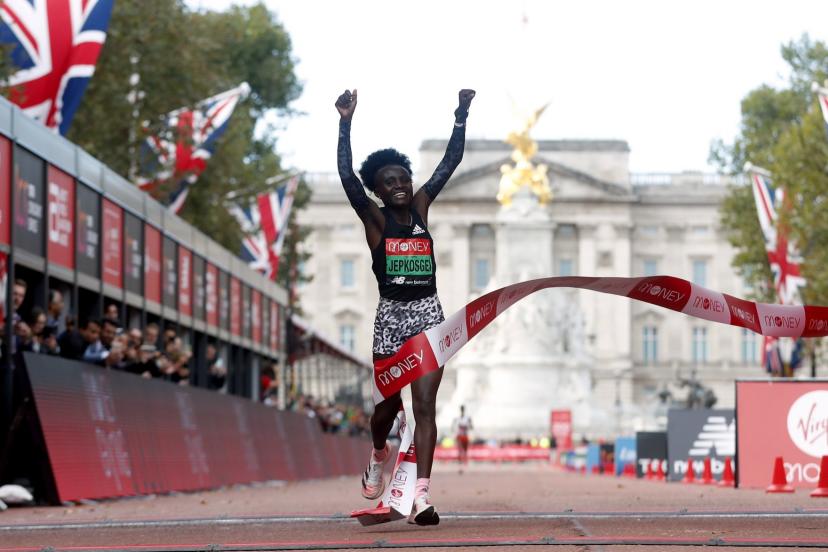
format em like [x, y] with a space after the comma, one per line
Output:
[403, 262]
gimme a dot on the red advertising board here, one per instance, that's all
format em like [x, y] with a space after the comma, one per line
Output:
[781, 418]
[275, 329]
[256, 316]
[211, 280]
[61, 219]
[235, 306]
[152, 264]
[5, 189]
[185, 279]
[560, 423]
[112, 244]
[109, 433]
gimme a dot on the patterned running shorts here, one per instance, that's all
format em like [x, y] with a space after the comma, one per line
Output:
[397, 321]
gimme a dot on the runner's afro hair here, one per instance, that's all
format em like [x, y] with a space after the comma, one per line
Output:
[379, 159]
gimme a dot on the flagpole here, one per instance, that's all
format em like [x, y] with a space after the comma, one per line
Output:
[133, 97]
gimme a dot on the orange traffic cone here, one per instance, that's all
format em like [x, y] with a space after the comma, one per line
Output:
[690, 474]
[780, 481]
[727, 476]
[822, 487]
[649, 473]
[707, 474]
[660, 475]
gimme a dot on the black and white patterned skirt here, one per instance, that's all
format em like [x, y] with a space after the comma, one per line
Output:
[397, 321]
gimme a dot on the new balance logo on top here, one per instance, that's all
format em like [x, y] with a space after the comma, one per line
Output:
[716, 433]
[417, 230]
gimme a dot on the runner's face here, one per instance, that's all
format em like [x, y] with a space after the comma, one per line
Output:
[393, 186]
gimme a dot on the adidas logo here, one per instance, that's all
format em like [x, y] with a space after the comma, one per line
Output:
[717, 434]
[417, 230]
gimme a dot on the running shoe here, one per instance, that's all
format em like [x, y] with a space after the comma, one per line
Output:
[373, 482]
[423, 513]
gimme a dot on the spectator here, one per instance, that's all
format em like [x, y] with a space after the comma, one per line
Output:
[95, 351]
[216, 371]
[109, 329]
[112, 312]
[55, 312]
[18, 296]
[71, 341]
[269, 385]
[175, 368]
[40, 340]
[151, 332]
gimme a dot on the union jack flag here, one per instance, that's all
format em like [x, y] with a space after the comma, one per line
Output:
[822, 96]
[783, 255]
[265, 225]
[179, 153]
[55, 44]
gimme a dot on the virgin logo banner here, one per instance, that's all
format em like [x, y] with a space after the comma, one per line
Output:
[781, 418]
[427, 351]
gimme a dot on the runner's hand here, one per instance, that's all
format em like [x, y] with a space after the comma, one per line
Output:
[346, 104]
[465, 97]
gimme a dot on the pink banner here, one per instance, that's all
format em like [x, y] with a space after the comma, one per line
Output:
[60, 234]
[787, 418]
[428, 350]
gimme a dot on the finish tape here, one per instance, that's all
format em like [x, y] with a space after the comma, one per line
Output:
[431, 349]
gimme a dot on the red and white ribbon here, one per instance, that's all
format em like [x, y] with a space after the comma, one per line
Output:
[431, 349]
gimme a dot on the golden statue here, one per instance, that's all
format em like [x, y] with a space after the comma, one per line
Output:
[524, 173]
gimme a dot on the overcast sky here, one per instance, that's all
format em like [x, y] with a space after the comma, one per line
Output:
[666, 76]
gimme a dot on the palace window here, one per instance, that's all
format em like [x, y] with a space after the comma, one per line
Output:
[650, 344]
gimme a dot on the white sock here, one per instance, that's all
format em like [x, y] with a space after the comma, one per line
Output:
[379, 454]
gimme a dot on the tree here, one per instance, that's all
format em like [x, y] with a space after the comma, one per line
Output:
[182, 57]
[781, 131]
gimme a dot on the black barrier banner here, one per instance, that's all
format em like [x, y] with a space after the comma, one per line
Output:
[88, 231]
[651, 450]
[29, 183]
[111, 434]
[693, 435]
[133, 254]
[224, 300]
[170, 273]
[199, 289]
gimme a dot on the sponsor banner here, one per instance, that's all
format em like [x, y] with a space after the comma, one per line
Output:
[152, 264]
[560, 424]
[693, 435]
[593, 457]
[256, 316]
[487, 453]
[275, 328]
[650, 450]
[185, 280]
[781, 418]
[264, 311]
[781, 320]
[446, 339]
[109, 433]
[169, 273]
[5, 189]
[707, 304]
[211, 292]
[28, 202]
[665, 291]
[61, 221]
[133, 254]
[817, 322]
[88, 231]
[235, 306]
[625, 454]
[113, 226]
